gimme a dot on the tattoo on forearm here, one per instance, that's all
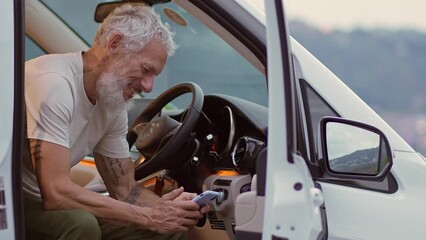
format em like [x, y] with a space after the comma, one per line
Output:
[134, 194]
[36, 154]
[114, 168]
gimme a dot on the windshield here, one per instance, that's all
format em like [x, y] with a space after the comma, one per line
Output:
[202, 57]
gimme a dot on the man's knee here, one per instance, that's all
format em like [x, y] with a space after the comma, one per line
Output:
[81, 225]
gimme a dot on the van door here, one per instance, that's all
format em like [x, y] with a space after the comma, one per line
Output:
[292, 202]
[11, 70]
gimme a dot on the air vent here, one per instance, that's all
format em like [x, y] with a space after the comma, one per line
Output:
[214, 222]
[239, 152]
[245, 153]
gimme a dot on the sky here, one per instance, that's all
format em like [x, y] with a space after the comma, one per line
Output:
[339, 135]
[351, 14]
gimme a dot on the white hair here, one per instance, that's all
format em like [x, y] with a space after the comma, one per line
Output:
[139, 25]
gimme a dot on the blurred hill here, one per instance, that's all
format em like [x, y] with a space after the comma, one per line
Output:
[360, 161]
[386, 68]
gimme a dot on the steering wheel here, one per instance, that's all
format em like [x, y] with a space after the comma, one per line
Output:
[159, 138]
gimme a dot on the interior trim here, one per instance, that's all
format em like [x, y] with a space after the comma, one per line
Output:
[18, 116]
[49, 37]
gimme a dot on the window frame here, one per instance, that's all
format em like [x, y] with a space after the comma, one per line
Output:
[389, 185]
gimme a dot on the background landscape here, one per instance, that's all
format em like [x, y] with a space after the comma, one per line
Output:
[386, 68]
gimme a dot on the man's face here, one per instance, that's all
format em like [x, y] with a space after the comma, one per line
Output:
[127, 75]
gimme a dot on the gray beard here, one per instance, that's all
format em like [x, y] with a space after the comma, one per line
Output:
[110, 92]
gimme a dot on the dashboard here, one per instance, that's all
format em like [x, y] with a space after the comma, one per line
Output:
[231, 131]
[221, 154]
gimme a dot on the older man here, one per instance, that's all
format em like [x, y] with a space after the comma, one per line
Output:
[76, 105]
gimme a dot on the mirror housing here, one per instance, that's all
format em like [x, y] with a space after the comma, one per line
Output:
[104, 9]
[354, 150]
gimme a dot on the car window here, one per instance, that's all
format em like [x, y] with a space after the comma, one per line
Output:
[32, 50]
[206, 59]
[202, 57]
[315, 109]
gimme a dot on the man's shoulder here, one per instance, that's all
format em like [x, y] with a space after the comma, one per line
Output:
[63, 64]
[52, 57]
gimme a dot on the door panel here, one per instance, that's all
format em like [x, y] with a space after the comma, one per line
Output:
[11, 62]
[292, 201]
[6, 121]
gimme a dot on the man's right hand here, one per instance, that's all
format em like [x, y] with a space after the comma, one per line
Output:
[175, 212]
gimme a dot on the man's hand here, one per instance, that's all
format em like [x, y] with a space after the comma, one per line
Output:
[185, 196]
[176, 212]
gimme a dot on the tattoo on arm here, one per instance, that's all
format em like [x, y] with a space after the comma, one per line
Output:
[35, 151]
[134, 194]
[36, 155]
[114, 168]
[120, 185]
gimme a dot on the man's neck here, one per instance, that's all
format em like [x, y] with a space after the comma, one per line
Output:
[92, 69]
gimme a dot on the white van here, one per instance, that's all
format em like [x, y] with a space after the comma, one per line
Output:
[296, 154]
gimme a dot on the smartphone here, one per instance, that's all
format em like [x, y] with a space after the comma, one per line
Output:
[205, 197]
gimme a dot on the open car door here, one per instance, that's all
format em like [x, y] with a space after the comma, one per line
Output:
[11, 64]
[292, 202]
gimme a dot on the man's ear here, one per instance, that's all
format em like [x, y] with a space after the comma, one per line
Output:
[114, 42]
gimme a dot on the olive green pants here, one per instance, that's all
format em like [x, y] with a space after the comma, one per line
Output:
[78, 224]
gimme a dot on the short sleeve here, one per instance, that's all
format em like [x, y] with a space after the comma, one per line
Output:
[49, 108]
[114, 144]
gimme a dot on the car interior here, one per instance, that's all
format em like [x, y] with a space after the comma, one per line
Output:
[210, 102]
[205, 124]
[209, 110]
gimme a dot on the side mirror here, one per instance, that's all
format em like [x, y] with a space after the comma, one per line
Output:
[354, 150]
[104, 9]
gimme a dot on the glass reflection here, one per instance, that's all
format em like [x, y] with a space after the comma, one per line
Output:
[355, 150]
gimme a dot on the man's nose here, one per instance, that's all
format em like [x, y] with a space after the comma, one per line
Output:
[147, 84]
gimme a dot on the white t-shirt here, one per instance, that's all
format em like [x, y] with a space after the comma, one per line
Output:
[59, 111]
